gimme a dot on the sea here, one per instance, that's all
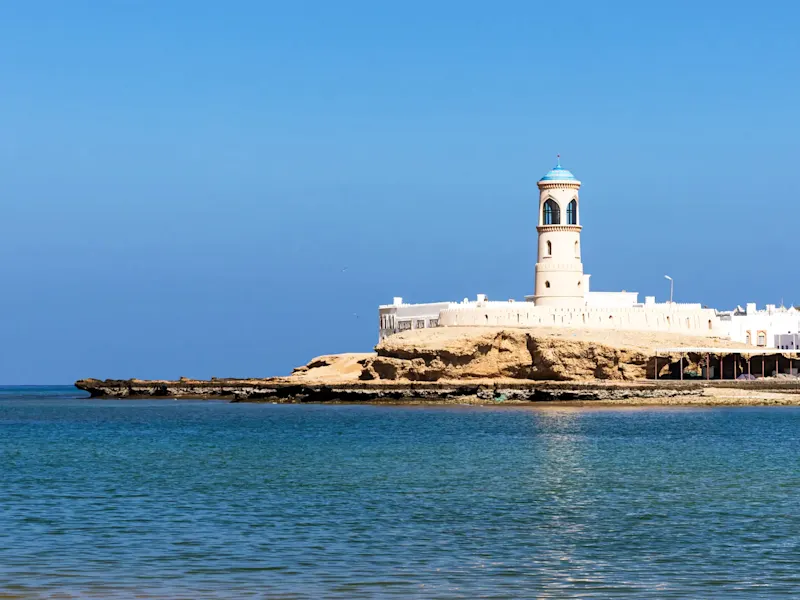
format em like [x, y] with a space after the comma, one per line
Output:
[190, 499]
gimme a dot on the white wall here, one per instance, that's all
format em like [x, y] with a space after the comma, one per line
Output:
[661, 317]
[763, 325]
[627, 314]
[393, 318]
[787, 341]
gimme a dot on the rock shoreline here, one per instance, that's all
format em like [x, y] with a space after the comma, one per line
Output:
[455, 392]
[484, 365]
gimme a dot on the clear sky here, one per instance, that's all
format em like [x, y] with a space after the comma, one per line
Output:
[183, 183]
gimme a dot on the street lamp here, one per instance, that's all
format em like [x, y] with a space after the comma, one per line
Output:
[671, 286]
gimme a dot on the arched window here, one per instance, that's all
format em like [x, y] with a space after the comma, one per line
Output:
[747, 338]
[762, 338]
[577, 250]
[551, 213]
[547, 284]
[549, 248]
[572, 213]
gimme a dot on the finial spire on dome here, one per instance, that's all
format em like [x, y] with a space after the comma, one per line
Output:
[559, 173]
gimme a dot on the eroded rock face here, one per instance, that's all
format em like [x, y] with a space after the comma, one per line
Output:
[480, 364]
[479, 356]
[508, 353]
[463, 355]
[334, 367]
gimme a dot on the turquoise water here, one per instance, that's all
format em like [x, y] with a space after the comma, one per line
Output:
[121, 499]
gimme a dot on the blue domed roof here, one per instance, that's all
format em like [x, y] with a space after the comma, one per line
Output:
[559, 173]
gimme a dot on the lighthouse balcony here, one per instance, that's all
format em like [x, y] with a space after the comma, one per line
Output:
[549, 228]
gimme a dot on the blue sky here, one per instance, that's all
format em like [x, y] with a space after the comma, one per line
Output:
[182, 183]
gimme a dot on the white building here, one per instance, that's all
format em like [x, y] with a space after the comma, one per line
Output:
[787, 341]
[773, 327]
[399, 316]
[681, 318]
[559, 270]
[561, 291]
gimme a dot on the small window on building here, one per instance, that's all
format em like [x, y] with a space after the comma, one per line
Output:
[549, 248]
[572, 213]
[551, 213]
[762, 338]
[709, 324]
[747, 337]
[547, 284]
[577, 250]
[404, 325]
[433, 323]
[420, 323]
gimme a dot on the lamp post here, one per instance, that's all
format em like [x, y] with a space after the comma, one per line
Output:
[671, 287]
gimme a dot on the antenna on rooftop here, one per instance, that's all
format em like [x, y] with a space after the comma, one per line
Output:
[558, 161]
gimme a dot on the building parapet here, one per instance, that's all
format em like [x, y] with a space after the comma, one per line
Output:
[699, 321]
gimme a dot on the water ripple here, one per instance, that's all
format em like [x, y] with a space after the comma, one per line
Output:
[114, 499]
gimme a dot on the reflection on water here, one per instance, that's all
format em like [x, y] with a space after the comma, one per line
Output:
[208, 500]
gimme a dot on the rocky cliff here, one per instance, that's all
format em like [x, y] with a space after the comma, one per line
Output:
[508, 353]
[462, 361]
[531, 354]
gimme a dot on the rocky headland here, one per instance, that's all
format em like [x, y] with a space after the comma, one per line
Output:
[486, 366]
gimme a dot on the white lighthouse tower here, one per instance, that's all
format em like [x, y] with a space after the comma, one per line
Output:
[559, 270]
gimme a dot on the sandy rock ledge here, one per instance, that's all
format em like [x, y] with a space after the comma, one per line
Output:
[485, 366]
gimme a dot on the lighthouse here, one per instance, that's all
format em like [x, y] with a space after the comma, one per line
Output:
[559, 270]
